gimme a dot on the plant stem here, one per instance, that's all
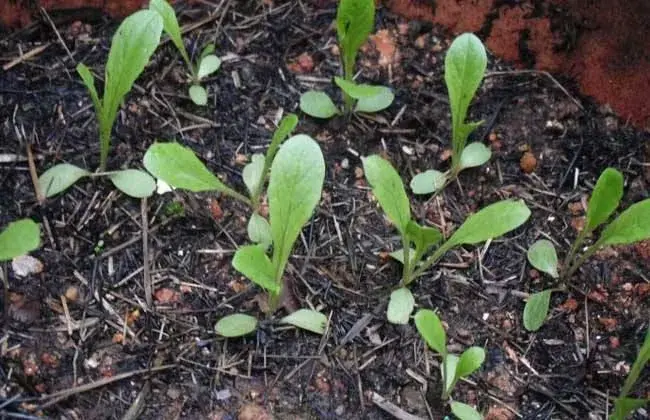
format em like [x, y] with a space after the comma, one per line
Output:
[406, 271]
[588, 253]
[445, 395]
[234, 194]
[430, 261]
[572, 252]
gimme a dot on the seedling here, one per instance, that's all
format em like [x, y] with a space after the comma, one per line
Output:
[132, 46]
[355, 20]
[465, 65]
[206, 64]
[632, 225]
[417, 241]
[624, 405]
[19, 238]
[452, 367]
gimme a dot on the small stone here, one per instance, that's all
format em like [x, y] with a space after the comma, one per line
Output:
[26, 265]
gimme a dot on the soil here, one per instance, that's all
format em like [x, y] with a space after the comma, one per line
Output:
[79, 341]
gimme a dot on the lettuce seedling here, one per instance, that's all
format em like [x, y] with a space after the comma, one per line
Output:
[355, 20]
[452, 367]
[632, 225]
[417, 241]
[465, 65]
[206, 64]
[624, 405]
[133, 44]
[19, 238]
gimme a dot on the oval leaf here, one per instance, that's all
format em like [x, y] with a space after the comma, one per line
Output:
[252, 261]
[450, 364]
[179, 167]
[536, 310]
[198, 95]
[543, 257]
[382, 100]
[400, 306]
[428, 182]
[59, 178]
[633, 225]
[209, 64]
[470, 361]
[464, 411]
[134, 183]
[317, 104]
[236, 325]
[388, 188]
[491, 222]
[19, 238]
[604, 199]
[355, 20]
[252, 173]
[297, 175]
[259, 231]
[307, 319]
[431, 329]
[357, 91]
[474, 154]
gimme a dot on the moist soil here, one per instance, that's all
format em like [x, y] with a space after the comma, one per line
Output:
[79, 341]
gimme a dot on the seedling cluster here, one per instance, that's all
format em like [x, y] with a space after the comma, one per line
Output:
[292, 172]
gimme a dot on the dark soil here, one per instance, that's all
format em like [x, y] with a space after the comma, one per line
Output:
[82, 362]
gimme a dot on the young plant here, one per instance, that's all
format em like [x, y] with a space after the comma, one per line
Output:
[132, 46]
[19, 238]
[206, 64]
[465, 65]
[632, 225]
[624, 406]
[417, 241]
[355, 20]
[452, 367]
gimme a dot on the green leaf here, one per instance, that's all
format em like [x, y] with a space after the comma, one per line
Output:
[424, 237]
[470, 361]
[431, 329]
[465, 65]
[604, 199]
[639, 364]
[179, 167]
[259, 231]
[59, 178]
[19, 238]
[208, 65]
[400, 306]
[134, 183]
[399, 255]
[317, 104]
[170, 25]
[286, 126]
[307, 319]
[133, 44]
[252, 261]
[543, 257]
[198, 95]
[464, 411]
[450, 365]
[536, 309]
[209, 49]
[428, 182]
[355, 19]
[252, 173]
[236, 325]
[388, 188]
[633, 225]
[382, 100]
[357, 91]
[295, 187]
[623, 407]
[493, 221]
[474, 154]
[89, 80]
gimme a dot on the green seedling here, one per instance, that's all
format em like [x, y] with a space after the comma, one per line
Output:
[355, 20]
[206, 64]
[19, 238]
[465, 65]
[624, 405]
[452, 367]
[417, 241]
[632, 225]
[133, 44]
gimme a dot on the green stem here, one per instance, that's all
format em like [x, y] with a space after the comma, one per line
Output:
[588, 253]
[430, 261]
[234, 194]
[445, 394]
[406, 271]
[568, 260]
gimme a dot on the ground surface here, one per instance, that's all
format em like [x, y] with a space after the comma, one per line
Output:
[93, 253]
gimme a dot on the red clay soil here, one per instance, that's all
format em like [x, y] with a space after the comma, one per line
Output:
[603, 44]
